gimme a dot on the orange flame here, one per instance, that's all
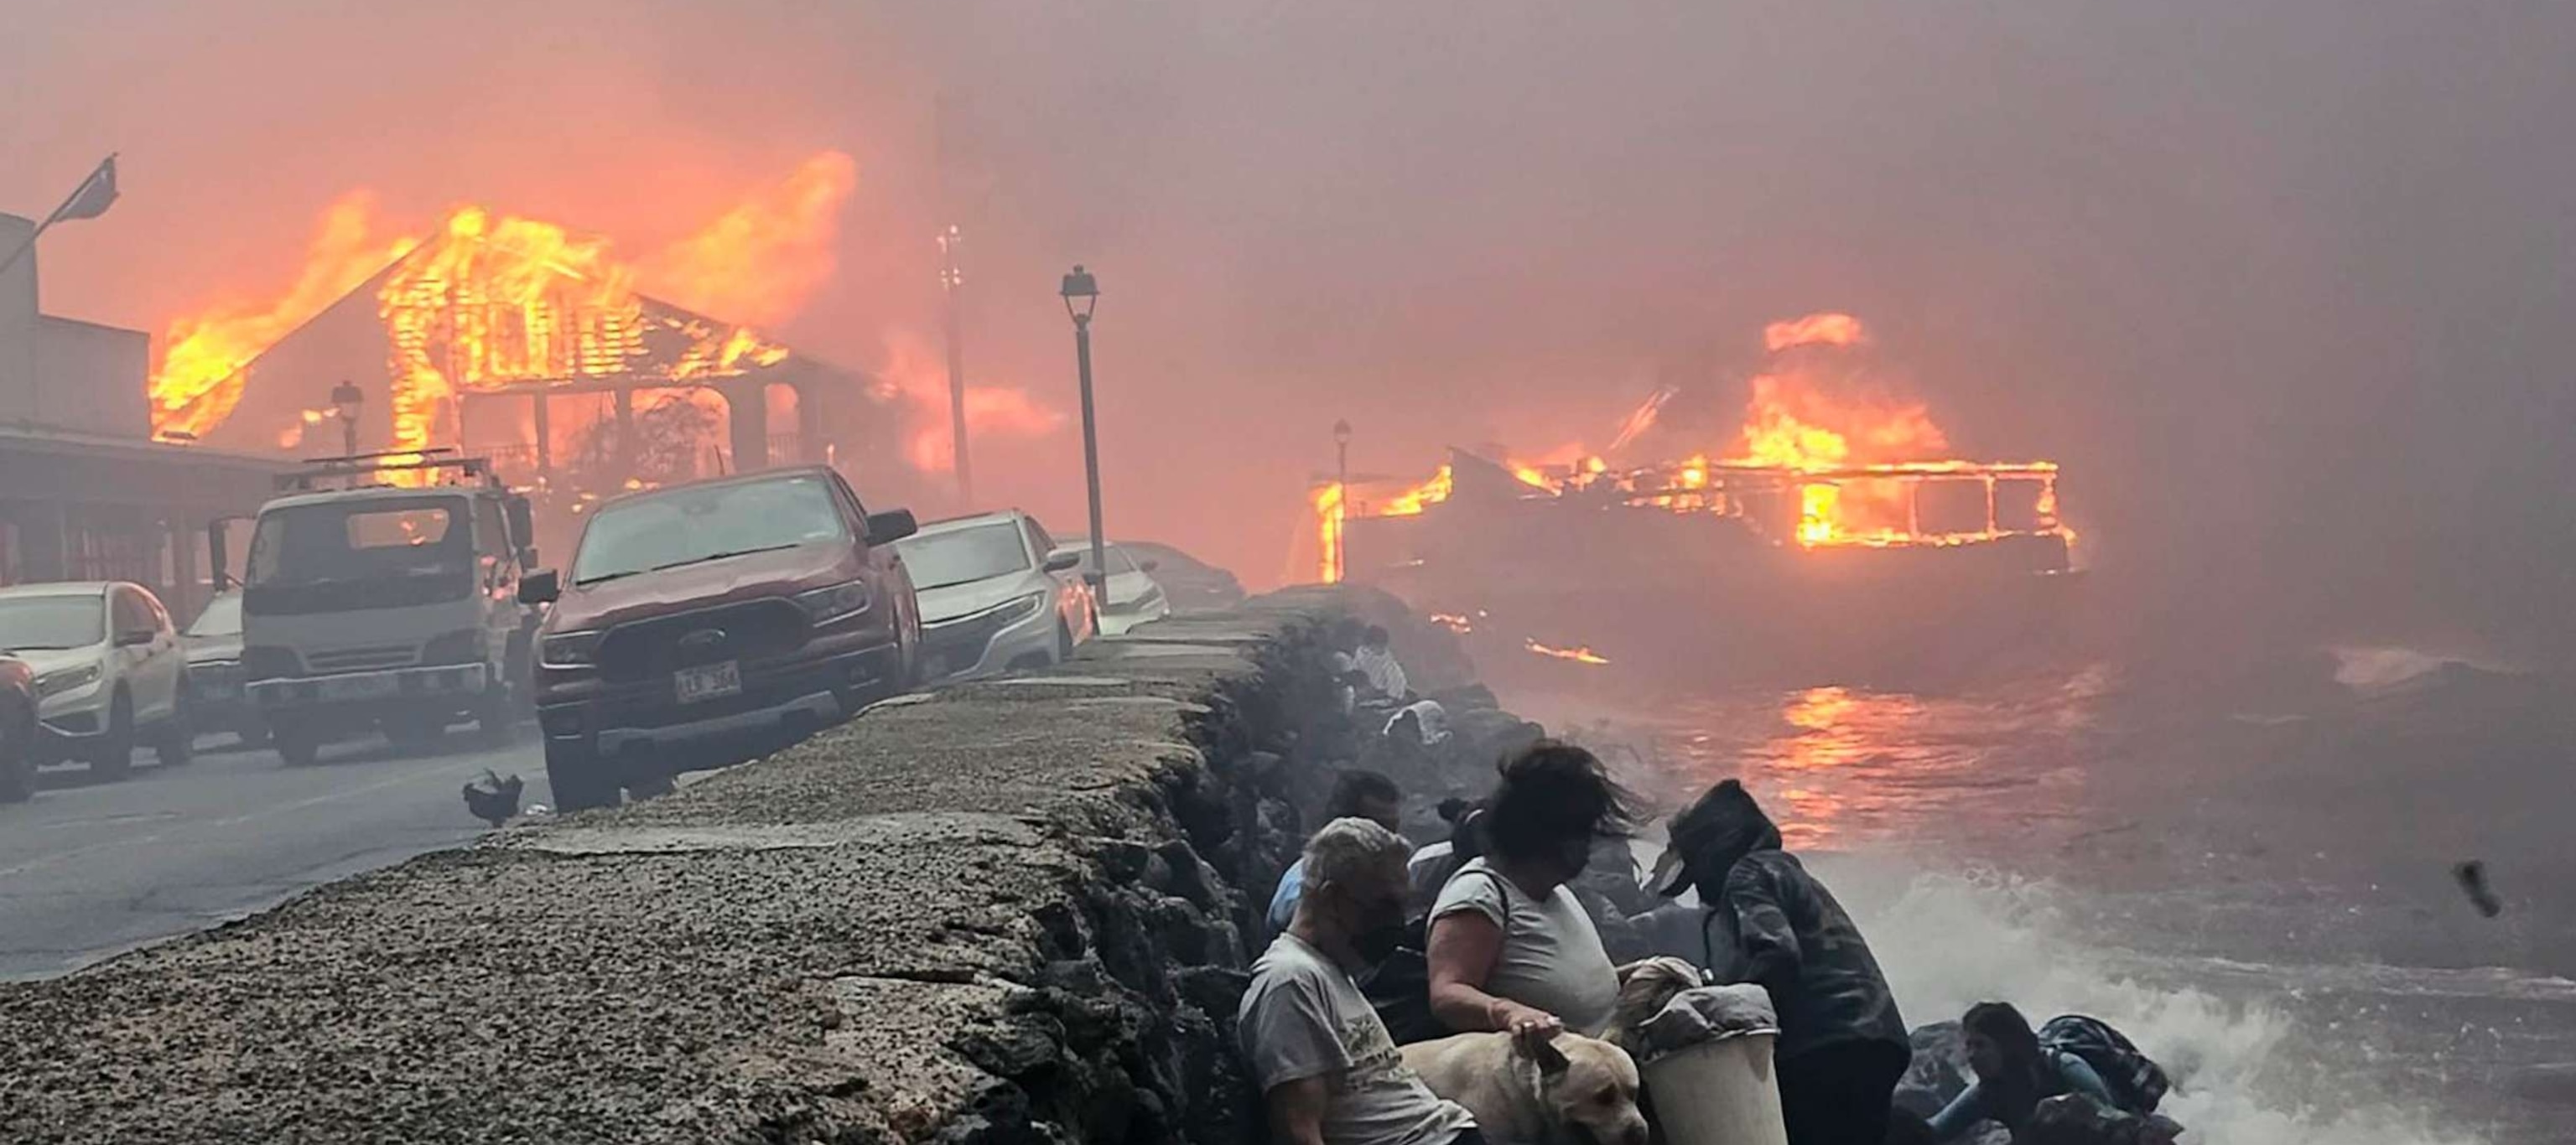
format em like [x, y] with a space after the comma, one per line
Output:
[915, 373]
[1579, 655]
[1828, 328]
[494, 300]
[763, 259]
[1330, 515]
[200, 353]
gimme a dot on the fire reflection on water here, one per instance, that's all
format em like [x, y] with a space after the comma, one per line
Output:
[1849, 767]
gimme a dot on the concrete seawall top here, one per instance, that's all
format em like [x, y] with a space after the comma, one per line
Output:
[1003, 911]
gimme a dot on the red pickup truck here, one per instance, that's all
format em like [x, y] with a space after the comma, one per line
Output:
[702, 624]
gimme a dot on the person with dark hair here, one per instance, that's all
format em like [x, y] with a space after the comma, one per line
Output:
[2017, 1069]
[1510, 947]
[1764, 919]
[1356, 795]
[2014, 1073]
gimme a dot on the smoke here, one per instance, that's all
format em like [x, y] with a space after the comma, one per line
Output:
[2283, 285]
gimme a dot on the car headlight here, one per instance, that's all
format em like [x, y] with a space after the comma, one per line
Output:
[1021, 609]
[62, 680]
[838, 602]
[569, 650]
[463, 646]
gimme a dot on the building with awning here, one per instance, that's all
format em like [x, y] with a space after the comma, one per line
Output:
[85, 493]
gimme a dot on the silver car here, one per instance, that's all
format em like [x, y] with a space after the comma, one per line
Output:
[994, 596]
[1133, 595]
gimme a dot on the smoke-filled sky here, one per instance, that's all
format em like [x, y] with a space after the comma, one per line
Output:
[2285, 286]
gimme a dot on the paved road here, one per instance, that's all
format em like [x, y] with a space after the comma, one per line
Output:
[91, 869]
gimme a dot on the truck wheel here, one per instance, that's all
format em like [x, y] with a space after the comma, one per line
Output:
[112, 754]
[581, 780]
[299, 746]
[17, 757]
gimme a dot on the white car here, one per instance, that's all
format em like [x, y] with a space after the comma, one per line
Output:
[994, 597]
[110, 671]
[1133, 596]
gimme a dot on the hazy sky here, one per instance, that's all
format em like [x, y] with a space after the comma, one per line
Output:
[2285, 285]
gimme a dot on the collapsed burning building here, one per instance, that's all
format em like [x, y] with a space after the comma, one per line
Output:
[529, 344]
[1834, 538]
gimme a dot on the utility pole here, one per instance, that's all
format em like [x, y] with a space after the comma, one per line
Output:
[951, 280]
[1342, 500]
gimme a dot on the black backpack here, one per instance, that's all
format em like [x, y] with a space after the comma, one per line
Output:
[2136, 1082]
[1399, 989]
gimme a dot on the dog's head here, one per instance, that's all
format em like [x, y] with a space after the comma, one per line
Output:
[1589, 1091]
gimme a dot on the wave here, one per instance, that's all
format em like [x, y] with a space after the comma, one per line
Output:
[2248, 1073]
[2382, 668]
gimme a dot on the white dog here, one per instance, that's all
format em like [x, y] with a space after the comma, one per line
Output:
[1574, 1091]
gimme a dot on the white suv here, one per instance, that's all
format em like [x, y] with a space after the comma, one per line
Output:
[109, 671]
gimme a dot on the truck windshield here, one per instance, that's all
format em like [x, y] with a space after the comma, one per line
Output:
[222, 617]
[965, 556]
[690, 524]
[376, 552]
[47, 623]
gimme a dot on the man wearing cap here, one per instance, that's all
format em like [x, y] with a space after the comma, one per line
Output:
[1843, 1046]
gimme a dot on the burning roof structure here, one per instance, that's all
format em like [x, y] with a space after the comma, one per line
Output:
[516, 316]
[1834, 522]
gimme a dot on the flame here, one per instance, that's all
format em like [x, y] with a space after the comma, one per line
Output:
[1828, 328]
[1330, 513]
[761, 260]
[1856, 456]
[1453, 622]
[916, 374]
[199, 379]
[488, 300]
[1579, 655]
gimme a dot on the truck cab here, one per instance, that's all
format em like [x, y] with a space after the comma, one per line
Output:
[382, 594]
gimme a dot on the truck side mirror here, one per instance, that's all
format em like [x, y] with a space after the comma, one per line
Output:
[544, 586]
[890, 526]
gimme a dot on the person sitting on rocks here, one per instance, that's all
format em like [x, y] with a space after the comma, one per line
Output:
[1360, 794]
[1328, 1072]
[2019, 1070]
[1511, 948]
[1386, 687]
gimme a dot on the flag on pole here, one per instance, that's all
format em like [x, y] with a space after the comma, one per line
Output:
[94, 195]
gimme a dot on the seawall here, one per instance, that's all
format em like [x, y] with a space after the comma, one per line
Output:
[1006, 911]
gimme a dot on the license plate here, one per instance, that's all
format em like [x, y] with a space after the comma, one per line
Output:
[712, 681]
[359, 687]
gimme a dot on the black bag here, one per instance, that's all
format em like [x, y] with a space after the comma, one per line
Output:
[2136, 1082]
[1399, 989]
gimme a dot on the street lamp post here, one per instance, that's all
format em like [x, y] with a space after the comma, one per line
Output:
[1342, 500]
[1081, 295]
[951, 280]
[347, 399]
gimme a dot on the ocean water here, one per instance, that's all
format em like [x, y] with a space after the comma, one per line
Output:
[2250, 872]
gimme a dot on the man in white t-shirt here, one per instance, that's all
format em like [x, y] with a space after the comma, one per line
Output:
[1328, 1072]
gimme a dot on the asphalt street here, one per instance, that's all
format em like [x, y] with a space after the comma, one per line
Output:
[88, 870]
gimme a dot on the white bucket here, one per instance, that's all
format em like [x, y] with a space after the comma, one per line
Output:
[1718, 1093]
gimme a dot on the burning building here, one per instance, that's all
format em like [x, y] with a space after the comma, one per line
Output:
[535, 345]
[1833, 534]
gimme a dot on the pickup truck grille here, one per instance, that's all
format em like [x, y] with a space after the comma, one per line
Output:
[750, 630]
[363, 659]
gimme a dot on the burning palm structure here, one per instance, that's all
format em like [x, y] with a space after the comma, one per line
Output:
[1828, 530]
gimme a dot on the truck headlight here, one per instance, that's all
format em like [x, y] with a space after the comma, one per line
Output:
[62, 680]
[569, 650]
[838, 602]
